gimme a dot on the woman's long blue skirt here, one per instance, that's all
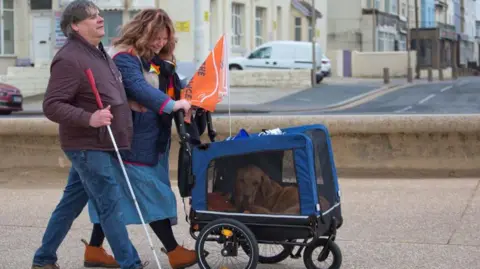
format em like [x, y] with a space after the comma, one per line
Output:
[152, 188]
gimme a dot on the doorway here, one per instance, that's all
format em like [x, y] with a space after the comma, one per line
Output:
[41, 29]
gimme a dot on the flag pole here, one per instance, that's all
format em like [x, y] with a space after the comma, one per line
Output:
[227, 71]
[227, 50]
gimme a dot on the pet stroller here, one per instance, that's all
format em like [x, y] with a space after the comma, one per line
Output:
[292, 173]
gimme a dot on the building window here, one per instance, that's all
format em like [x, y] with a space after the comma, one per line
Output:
[298, 29]
[402, 43]
[112, 21]
[391, 41]
[259, 25]
[388, 6]
[381, 41]
[237, 33]
[7, 43]
[386, 41]
[411, 14]
[403, 11]
[132, 13]
[40, 4]
[394, 7]
[373, 3]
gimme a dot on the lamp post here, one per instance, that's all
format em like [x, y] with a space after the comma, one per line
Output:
[198, 41]
[314, 58]
[417, 36]
[409, 58]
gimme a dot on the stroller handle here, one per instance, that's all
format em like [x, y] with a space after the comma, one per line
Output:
[182, 130]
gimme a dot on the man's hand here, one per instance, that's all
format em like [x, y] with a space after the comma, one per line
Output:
[182, 104]
[136, 106]
[101, 117]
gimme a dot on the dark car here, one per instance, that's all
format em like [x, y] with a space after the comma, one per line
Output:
[11, 99]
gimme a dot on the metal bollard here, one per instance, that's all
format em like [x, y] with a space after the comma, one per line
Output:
[386, 75]
[430, 74]
[409, 74]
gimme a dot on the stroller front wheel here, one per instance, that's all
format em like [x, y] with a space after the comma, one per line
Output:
[322, 250]
[229, 237]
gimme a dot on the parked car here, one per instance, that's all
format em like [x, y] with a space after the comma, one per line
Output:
[279, 55]
[326, 68]
[11, 99]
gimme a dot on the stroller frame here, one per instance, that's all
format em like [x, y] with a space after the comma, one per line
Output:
[321, 228]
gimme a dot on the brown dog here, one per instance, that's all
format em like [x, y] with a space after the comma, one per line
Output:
[256, 192]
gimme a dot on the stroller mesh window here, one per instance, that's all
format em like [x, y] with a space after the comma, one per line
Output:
[323, 169]
[258, 183]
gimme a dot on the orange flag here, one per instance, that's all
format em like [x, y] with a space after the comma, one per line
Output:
[210, 83]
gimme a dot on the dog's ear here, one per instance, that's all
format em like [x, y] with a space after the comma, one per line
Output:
[264, 185]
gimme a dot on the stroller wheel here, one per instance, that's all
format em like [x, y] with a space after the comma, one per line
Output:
[324, 252]
[273, 253]
[274, 256]
[230, 244]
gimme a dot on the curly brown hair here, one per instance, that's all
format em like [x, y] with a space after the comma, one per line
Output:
[143, 29]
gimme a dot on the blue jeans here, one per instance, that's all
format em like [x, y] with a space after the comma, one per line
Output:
[91, 177]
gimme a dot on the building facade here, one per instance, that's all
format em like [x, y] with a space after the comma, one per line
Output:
[466, 31]
[441, 12]
[369, 25]
[301, 22]
[32, 33]
[435, 41]
[427, 9]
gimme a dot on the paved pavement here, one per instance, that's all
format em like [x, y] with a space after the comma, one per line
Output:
[389, 224]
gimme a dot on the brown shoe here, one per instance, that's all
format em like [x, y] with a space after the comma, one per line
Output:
[48, 266]
[181, 258]
[98, 257]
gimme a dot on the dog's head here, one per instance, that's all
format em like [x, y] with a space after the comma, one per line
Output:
[249, 181]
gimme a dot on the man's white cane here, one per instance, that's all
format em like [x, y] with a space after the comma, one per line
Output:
[91, 79]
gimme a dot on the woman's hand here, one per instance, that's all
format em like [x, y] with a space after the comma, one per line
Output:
[182, 104]
[136, 106]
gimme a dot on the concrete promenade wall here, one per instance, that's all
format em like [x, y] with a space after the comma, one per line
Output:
[370, 146]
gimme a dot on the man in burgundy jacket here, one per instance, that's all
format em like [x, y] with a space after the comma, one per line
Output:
[70, 102]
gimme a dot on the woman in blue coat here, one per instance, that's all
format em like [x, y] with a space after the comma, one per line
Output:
[150, 83]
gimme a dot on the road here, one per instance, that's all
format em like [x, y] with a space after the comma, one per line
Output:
[461, 97]
[324, 95]
[454, 97]
[261, 100]
[389, 224]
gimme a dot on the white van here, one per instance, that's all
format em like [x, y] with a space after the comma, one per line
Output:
[279, 55]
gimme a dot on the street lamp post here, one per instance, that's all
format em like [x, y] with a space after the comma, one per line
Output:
[314, 58]
[417, 36]
[409, 58]
[198, 34]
